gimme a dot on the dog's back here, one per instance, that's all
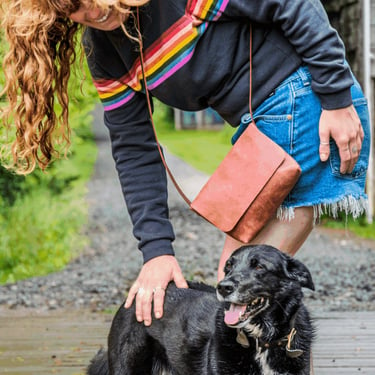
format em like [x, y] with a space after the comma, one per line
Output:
[99, 364]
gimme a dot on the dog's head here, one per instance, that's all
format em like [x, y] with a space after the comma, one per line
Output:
[258, 277]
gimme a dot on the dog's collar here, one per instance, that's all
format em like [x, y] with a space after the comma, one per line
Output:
[262, 345]
[285, 341]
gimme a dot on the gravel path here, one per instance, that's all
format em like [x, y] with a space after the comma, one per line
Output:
[343, 267]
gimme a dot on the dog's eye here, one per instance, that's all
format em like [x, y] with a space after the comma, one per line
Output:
[228, 266]
[254, 263]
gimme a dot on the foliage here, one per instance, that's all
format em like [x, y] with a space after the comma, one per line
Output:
[203, 149]
[359, 227]
[40, 234]
[42, 230]
[42, 214]
[10, 186]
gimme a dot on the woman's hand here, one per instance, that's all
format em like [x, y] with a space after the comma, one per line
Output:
[344, 127]
[150, 285]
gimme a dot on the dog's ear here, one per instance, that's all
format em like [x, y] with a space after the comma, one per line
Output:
[296, 270]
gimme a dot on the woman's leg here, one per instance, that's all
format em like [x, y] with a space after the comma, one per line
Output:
[287, 236]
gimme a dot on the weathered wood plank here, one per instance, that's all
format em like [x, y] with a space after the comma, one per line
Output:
[64, 343]
[345, 343]
[342, 371]
[53, 344]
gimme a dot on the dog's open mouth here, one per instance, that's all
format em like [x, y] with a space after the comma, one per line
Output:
[238, 314]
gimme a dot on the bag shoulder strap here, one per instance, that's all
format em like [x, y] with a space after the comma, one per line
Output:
[180, 191]
[175, 183]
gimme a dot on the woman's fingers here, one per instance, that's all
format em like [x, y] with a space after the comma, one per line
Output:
[159, 294]
[343, 126]
[149, 288]
[143, 305]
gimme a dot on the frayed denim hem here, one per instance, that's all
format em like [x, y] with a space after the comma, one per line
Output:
[349, 204]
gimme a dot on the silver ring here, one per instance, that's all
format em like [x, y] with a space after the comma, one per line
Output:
[158, 287]
[354, 149]
[140, 290]
[324, 143]
[104, 17]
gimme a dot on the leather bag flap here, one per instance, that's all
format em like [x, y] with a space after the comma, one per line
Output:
[240, 177]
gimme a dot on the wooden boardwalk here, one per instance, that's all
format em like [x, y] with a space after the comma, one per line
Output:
[345, 344]
[63, 343]
[60, 343]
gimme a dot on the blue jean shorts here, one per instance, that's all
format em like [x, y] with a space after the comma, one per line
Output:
[290, 117]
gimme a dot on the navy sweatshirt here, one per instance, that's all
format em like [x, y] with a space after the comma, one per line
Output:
[197, 55]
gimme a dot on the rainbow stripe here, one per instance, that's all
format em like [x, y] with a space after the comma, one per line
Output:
[210, 10]
[169, 53]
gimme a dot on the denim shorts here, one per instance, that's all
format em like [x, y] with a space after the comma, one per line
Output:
[290, 117]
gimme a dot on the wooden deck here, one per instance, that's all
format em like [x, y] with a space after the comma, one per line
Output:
[345, 344]
[63, 343]
[50, 344]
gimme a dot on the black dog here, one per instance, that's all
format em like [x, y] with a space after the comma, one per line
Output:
[256, 323]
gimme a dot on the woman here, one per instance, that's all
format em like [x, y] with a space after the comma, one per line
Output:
[196, 55]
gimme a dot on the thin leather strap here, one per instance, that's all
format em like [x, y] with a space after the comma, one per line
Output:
[251, 74]
[180, 191]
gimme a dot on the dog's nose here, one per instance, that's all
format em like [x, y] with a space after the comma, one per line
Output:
[225, 287]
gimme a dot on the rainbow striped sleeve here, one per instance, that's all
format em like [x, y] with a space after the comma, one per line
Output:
[113, 93]
[171, 51]
[209, 10]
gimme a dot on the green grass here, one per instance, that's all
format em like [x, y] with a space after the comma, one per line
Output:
[41, 234]
[359, 227]
[42, 228]
[203, 149]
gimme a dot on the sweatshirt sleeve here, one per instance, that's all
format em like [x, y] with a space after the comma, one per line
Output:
[142, 176]
[305, 24]
[134, 148]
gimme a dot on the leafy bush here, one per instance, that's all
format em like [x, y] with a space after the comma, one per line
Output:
[203, 149]
[42, 214]
[11, 185]
[41, 234]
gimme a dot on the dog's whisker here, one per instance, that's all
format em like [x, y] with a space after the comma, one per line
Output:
[282, 308]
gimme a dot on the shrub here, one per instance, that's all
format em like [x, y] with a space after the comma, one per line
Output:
[42, 214]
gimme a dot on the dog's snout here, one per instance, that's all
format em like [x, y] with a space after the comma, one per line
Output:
[225, 287]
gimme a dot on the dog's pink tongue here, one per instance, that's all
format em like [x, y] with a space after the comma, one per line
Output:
[232, 316]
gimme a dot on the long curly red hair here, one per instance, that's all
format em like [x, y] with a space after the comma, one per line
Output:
[42, 44]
